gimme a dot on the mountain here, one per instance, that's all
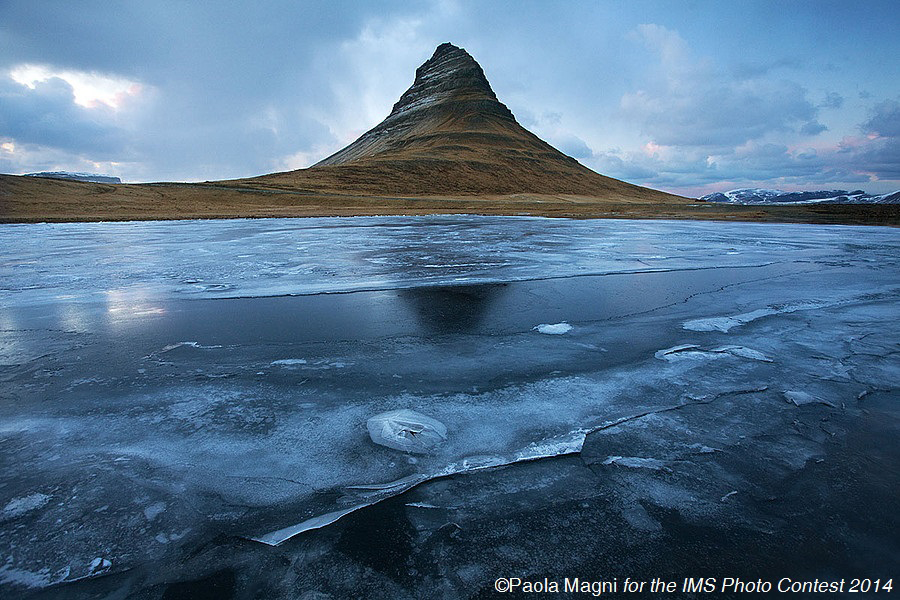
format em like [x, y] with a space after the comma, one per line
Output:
[448, 134]
[763, 196]
[448, 146]
[90, 177]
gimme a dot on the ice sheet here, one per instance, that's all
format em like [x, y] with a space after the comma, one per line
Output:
[130, 432]
[130, 265]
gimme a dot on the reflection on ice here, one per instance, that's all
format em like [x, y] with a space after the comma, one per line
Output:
[66, 262]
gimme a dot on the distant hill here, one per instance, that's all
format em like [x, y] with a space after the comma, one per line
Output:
[91, 177]
[764, 196]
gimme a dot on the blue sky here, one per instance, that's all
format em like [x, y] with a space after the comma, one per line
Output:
[689, 97]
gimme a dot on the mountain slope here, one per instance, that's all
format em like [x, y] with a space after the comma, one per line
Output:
[450, 135]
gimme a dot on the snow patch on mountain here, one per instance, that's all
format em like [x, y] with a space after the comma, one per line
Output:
[90, 177]
[767, 196]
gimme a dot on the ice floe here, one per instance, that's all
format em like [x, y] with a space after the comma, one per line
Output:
[289, 362]
[724, 324]
[276, 538]
[99, 565]
[188, 344]
[154, 510]
[743, 352]
[248, 445]
[23, 505]
[406, 430]
[554, 329]
[684, 351]
[676, 352]
[801, 398]
[43, 577]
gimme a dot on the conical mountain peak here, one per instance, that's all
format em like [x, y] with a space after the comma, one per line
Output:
[449, 135]
[451, 73]
[450, 93]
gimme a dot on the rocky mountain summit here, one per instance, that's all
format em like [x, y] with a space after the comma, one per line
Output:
[450, 92]
[448, 134]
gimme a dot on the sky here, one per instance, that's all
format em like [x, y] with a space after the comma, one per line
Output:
[690, 97]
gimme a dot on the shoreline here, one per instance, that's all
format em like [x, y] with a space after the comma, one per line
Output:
[32, 200]
[825, 214]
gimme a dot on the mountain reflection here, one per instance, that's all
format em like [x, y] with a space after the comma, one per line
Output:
[451, 309]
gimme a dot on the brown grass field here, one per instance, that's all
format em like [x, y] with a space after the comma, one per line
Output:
[30, 200]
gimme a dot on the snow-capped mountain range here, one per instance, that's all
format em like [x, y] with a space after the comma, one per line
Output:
[764, 196]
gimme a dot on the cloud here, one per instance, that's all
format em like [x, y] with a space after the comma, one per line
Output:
[882, 159]
[701, 124]
[18, 157]
[812, 128]
[620, 166]
[878, 152]
[46, 114]
[229, 91]
[884, 120]
[671, 47]
[753, 164]
[695, 104]
[89, 89]
[575, 147]
[745, 70]
[223, 99]
[832, 100]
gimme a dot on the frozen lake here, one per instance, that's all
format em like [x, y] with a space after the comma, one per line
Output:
[614, 392]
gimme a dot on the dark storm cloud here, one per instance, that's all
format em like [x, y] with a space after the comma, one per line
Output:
[235, 88]
[48, 116]
[153, 40]
[885, 119]
[882, 158]
[880, 152]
